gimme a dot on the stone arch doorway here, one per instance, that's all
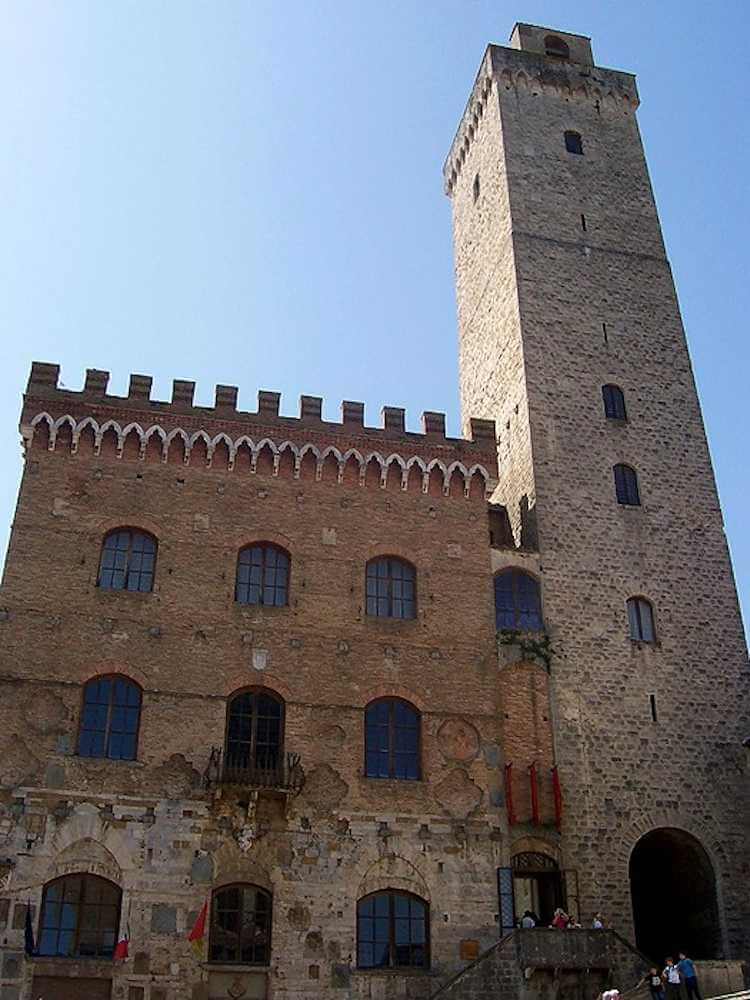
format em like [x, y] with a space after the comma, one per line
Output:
[673, 890]
[537, 886]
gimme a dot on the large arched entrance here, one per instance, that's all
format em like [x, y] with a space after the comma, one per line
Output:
[673, 888]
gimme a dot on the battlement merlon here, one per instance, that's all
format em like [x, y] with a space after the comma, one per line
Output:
[525, 64]
[44, 396]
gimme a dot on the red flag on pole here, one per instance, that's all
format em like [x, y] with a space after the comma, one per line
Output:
[198, 933]
[121, 948]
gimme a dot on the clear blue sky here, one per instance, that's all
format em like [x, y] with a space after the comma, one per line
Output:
[251, 193]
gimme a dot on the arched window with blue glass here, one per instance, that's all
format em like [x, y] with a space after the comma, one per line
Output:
[518, 603]
[240, 925]
[80, 917]
[393, 931]
[262, 575]
[391, 585]
[128, 560]
[392, 740]
[110, 718]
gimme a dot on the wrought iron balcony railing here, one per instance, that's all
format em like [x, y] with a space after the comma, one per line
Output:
[279, 772]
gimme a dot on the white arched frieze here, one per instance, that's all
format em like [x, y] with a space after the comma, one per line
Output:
[475, 474]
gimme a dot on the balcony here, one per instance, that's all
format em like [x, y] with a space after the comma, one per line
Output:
[279, 773]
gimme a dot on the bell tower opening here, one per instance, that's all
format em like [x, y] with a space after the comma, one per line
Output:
[673, 889]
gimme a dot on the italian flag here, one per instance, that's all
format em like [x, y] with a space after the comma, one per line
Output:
[121, 948]
[197, 935]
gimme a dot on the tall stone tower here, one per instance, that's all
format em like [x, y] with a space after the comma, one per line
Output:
[571, 339]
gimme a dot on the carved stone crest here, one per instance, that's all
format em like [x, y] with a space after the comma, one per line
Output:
[458, 794]
[458, 740]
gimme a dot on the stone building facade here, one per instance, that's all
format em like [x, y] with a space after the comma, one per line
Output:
[432, 712]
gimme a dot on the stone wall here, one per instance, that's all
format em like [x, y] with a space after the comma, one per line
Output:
[549, 311]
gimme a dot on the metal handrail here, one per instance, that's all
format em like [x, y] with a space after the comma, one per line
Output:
[275, 771]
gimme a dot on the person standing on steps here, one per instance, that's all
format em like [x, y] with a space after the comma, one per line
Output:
[687, 971]
[671, 976]
[598, 923]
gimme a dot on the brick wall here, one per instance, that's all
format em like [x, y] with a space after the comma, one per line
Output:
[149, 825]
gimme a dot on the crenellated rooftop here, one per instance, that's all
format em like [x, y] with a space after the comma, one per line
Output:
[222, 426]
[523, 69]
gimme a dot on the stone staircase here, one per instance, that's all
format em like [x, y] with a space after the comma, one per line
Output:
[545, 964]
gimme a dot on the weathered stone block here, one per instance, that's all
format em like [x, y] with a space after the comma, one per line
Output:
[11, 965]
[163, 918]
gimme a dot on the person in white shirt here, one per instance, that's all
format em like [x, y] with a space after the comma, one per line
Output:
[671, 977]
[598, 923]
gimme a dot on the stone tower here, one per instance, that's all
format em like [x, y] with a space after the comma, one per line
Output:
[564, 288]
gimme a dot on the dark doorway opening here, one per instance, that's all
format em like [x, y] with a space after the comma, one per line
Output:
[673, 889]
[537, 886]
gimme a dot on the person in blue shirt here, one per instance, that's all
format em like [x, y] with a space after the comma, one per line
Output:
[687, 971]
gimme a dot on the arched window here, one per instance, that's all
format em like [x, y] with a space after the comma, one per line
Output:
[240, 925]
[392, 740]
[641, 619]
[110, 718]
[255, 734]
[556, 48]
[391, 588]
[262, 575]
[80, 917]
[626, 486]
[127, 561]
[518, 604]
[574, 143]
[393, 931]
[614, 402]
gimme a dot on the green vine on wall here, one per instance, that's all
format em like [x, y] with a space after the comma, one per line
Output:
[530, 647]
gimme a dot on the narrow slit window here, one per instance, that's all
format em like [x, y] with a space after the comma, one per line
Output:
[641, 619]
[652, 702]
[614, 402]
[583, 222]
[476, 189]
[626, 486]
